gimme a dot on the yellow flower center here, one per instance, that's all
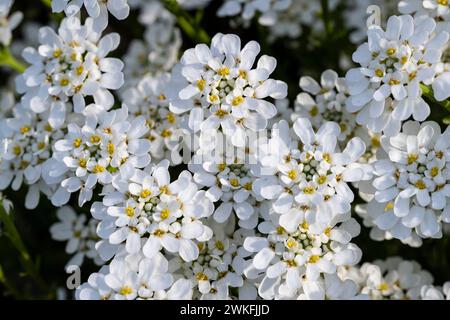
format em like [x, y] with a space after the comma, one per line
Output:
[391, 51]
[292, 174]
[314, 111]
[309, 190]
[145, 193]
[25, 129]
[394, 82]
[129, 211]
[126, 290]
[82, 163]
[220, 245]
[98, 169]
[171, 118]
[79, 70]
[389, 206]
[314, 259]
[77, 142]
[111, 148]
[165, 213]
[237, 101]
[201, 276]
[322, 179]
[57, 53]
[201, 84]
[412, 158]
[223, 71]
[420, 185]
[166, 133]
[17, 150]
[95, 138]
[234, 182]
[64, 82]
[434, 171]
[291, 243]
[221, 113]
[41, 145]
[383, 286]
[379, 73]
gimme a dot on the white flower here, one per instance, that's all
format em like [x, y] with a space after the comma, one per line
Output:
[162, 214]
[67, 67]
[430, 292]
[295, 253]
[228, 173]
[385, 90]
[304, 169]
[219, 266]
[6, 203]
[392, 279]
[356, 16]
[28, 150]
[437, 9]
[377, 234]
[410, 190]
[219, 88]
[107, 149]
[291, 21]
[159, 51]
[331, 287]
[8, 24]
[97, 9]
[248, 9]
[79, 234]
[325, 102]
[129, 278]
[149, 100]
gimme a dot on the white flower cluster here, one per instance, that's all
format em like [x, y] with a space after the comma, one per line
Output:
[395, 63]
[80, 235]
[284, 18]
[392, 279]
[262, 207]
[97, 9]
[410, 188]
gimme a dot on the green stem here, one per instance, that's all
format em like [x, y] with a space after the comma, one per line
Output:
[12, 233]
[326, 17]
[187, 23]
[429, 95]
[8, 60]
[48, 3]
[8, 285]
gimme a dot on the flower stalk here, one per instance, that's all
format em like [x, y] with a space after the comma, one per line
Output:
[11, 232]
[187, 23]
[429, 95]
[8, 60]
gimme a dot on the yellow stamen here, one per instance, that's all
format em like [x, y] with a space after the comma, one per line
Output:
[165, 213]
[129, 211]
[98, 169]
[237, 101]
